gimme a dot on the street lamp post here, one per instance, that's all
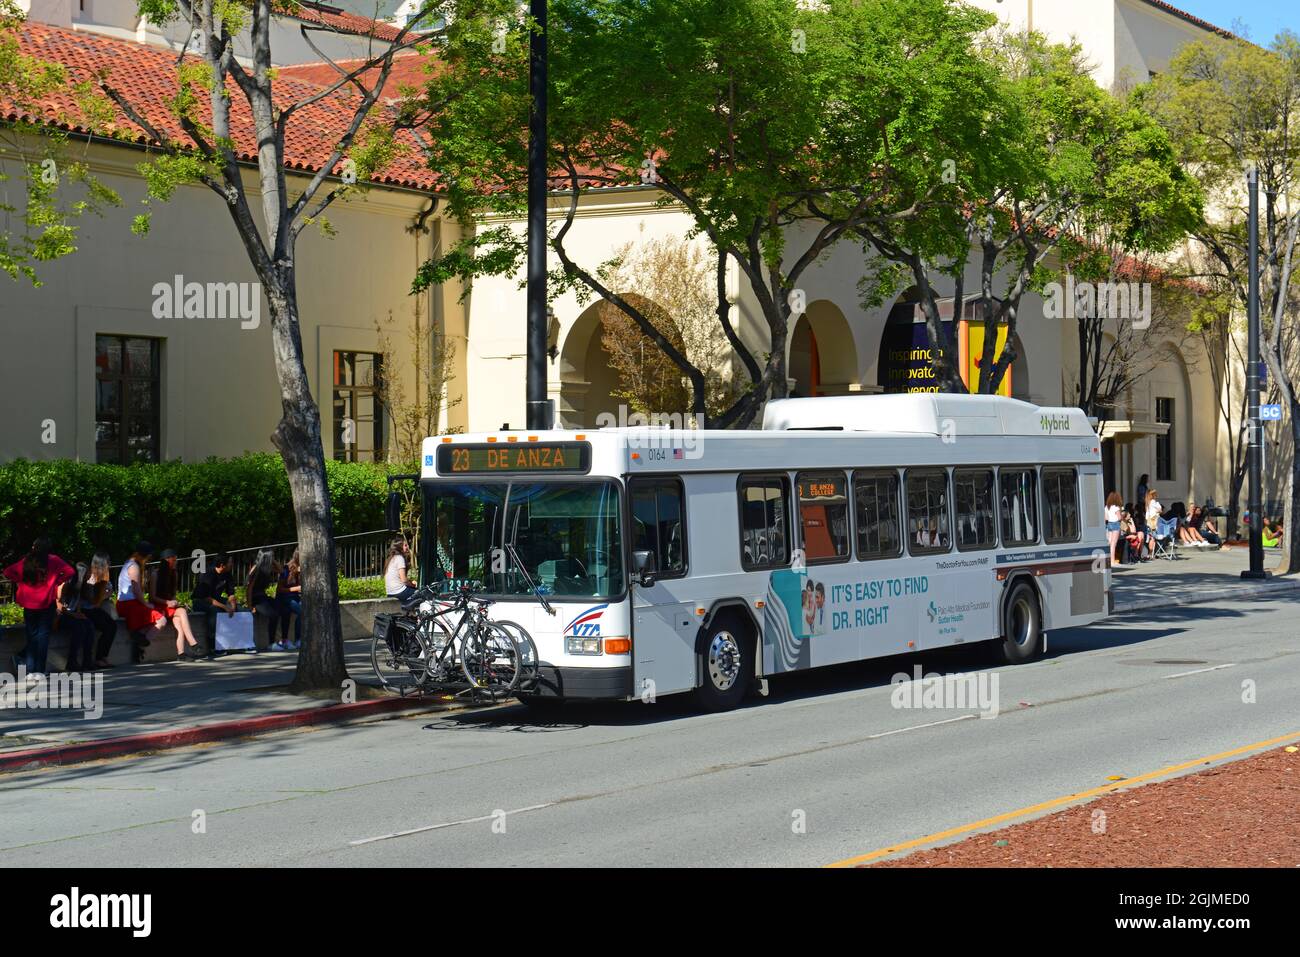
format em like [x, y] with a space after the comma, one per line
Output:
[538, 407]
[1255, 530]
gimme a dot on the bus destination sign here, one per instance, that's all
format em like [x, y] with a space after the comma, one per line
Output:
[509, 457]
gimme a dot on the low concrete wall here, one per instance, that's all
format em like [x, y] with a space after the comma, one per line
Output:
[357, 620]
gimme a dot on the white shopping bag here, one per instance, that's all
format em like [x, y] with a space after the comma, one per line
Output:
[235, 633]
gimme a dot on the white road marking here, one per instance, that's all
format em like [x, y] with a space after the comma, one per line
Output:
[1200, 671]
[437, 827]
[918, 727]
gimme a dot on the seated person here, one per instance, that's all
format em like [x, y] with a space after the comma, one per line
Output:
[397, 583]
[1209, 530]
[162, 595]
[1271, 534]
[214, 592]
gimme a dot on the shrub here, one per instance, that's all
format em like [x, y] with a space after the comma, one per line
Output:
[217, 504]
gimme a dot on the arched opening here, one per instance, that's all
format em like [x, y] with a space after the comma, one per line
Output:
[587, 377]
[594, 381]
[822, 357]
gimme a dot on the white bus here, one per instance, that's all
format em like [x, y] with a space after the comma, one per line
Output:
[709, 561]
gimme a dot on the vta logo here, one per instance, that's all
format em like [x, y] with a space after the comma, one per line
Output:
[587, 623]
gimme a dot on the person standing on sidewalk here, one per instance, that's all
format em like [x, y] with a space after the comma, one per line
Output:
[38, 577]
[1114, 510]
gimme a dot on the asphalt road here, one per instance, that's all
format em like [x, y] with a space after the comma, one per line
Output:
[824, 769]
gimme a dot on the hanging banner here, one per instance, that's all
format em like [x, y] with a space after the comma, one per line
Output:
[972, 340]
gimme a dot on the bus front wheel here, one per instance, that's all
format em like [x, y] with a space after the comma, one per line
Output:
[726, 656]
[1022, 631]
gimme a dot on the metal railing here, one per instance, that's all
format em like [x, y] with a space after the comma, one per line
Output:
[360, 555]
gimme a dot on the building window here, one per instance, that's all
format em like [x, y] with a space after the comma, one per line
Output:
[658, 510]
[1165, 443]
[127, 390]
[823, 516]
[972, 496]
[876, 500]
[927, 512]
[358, 407]
[1061, 505]
[763, 516]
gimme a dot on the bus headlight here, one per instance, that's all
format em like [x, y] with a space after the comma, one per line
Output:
[574, 645]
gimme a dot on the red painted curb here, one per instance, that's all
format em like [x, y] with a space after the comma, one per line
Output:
[162, 740]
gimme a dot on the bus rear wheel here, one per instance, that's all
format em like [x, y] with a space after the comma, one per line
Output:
[1022, 631]
[726, 656]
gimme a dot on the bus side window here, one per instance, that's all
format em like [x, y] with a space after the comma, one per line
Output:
[764, 541]
[823, 516]
[973, 499]
[876, 502]
[1018, 490]
[927, 511]
[1061, 505]
[658, 510]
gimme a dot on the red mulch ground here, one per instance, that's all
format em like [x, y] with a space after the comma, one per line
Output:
[1242, 814]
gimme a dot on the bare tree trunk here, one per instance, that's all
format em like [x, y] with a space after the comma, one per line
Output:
[298, 439]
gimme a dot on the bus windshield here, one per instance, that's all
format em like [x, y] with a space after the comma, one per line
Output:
[566, 535]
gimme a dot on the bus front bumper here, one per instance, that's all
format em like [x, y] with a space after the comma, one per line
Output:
[566, 682]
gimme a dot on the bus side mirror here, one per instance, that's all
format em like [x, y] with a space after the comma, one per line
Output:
[644, 567]
[393, 512]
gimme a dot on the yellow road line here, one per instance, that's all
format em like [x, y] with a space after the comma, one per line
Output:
[1057, 802]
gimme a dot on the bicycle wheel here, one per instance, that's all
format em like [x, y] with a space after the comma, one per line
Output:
[400, 659]
[490, 658]
[528, 657]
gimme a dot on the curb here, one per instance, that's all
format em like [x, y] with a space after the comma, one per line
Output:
[1243, 591]
[63, 754]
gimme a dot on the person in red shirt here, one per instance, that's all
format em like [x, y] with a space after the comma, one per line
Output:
[38, 577]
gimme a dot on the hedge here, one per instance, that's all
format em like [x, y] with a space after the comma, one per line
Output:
[215, 505]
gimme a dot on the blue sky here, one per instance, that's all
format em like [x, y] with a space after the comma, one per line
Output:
[1264, 17]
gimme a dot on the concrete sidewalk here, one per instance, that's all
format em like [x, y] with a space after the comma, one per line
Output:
[1197, 575]
[162, 698]
[158, 699]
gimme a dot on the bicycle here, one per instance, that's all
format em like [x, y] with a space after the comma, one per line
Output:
[495, 658]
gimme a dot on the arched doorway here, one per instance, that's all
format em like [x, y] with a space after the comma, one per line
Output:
[822, 357]
[587, 377]
[595, 383]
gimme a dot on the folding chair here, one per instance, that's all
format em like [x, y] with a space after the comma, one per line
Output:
[1165, 538]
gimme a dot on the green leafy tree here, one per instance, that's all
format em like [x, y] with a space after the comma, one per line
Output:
[268, 220]
[1229, 105]
[1056, 165]
[57, 190]
[772, 123]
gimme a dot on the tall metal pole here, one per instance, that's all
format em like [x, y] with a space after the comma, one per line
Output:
[1255, 531]
[539, 408]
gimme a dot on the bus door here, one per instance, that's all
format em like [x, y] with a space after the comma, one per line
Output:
[663, 625]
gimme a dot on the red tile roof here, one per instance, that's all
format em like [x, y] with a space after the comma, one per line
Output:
[1190, 18]
[339, 19]
[409, 69]
[146, 77]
